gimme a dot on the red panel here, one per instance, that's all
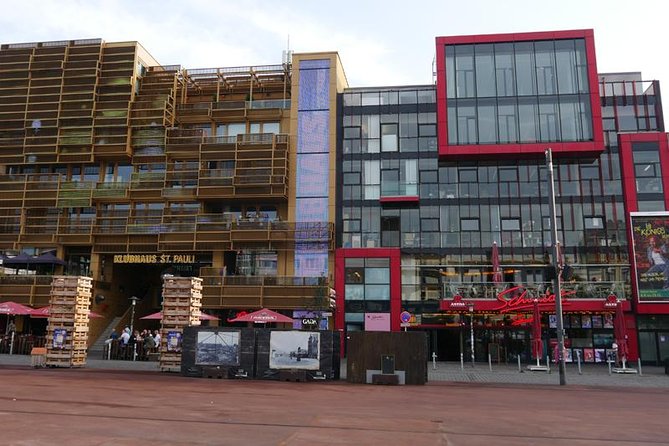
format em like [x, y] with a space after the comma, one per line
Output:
[531, 149]
[400, 199]
[625, 142]
[393, 254]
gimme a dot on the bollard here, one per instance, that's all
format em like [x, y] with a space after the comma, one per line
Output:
[520, 369]
[490, 362]
[578, 358]
[11, 345]
[134, 351]
[109, 352]
[434, 361]
[548, 364]
[639, 363]
[462, 362]
[609, 361]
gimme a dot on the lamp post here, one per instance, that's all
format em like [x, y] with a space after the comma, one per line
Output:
[134, 300]
[471, 329]
[556, 265]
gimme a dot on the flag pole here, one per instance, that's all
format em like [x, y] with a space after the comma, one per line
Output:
[557, 268]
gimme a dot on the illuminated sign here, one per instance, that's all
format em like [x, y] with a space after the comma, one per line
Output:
[154, 258]
[517, 298]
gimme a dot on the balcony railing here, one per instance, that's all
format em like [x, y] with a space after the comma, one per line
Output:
[398, 189]
[278, 292]
[571, 290]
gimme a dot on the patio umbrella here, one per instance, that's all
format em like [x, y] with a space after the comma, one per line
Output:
[159, 315]
[620, 331]
[14, 309]
[263, 316]
[46, 312]
[49, 259]
[537, 344]
[21, 260]
[496, 270]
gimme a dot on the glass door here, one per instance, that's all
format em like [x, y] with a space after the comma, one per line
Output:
[663, 345]
[648, 346]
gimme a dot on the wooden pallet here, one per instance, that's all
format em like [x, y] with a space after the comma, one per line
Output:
[57, 299]
[78, 292]
[70, 281]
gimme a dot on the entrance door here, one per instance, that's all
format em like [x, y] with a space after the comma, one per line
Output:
[663, 345]
[648, 347]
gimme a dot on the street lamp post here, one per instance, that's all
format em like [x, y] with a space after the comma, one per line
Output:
[134, 300]
[557, 269]
[471, 330]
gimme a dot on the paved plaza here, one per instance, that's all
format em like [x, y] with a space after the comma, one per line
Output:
[125, 403]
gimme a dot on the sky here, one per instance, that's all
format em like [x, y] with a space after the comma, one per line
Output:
[380, 43]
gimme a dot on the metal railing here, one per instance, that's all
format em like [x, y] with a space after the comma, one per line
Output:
[572, 290]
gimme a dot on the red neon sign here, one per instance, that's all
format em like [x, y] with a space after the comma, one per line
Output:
[517, 298]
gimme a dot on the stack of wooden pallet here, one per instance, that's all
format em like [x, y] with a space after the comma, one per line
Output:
[67, 331]
[182, 300]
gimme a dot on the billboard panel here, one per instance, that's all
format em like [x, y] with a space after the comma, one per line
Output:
[650, 234]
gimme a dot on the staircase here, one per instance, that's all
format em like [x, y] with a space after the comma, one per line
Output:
[97, 349]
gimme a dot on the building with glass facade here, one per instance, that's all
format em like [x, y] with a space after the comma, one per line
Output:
[432, 177]
[275, 183]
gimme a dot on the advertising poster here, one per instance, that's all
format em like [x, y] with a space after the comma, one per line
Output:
[173, 341]
[59, 337]
[650, 233]
[217, 348]
[588, 355]
[294, 350]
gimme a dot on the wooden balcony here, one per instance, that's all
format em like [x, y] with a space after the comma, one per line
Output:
[31, 290]
[282, 293]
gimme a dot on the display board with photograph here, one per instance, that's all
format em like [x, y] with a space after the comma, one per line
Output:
[294, 350]
[217, 348]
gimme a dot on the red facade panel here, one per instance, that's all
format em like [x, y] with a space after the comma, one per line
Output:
[524, 149]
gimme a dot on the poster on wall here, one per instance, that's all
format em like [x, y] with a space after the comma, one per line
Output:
[377, 321]
[173, 341]
[59, 336]
[294, 350]
[217, 348]
[650, 238]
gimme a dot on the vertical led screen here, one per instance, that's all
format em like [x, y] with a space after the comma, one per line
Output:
[650, 233]
[312, 180]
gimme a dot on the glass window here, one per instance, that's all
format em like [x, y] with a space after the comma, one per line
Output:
[235, 129]
[487, 121]
[408, 97]
[426, 96]
[565, 57]
[408, 125]
[389, 137]
[271, 127]
[370, 98]
[450, 71]
[569, 118]
[545, 60]
[377, 275]
[485, 70]
[549, 129]
[526, 83]
[354, 292]
[504, 69]
[594, 223]
[469, 224]
[467, 175]
[510, 224]
[377, 292]
[464, 71]
[467, 122]
[527, 116]
[507, 115]
[351, 99]
[389, 98]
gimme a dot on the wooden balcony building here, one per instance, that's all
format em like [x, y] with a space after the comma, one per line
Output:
[128, 170]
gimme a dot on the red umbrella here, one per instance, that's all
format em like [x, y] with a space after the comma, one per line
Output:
[46, 312]
[14, 308]
[263, 316]
[620, 331]
[496, 270]
[537, 344]
[159, 315]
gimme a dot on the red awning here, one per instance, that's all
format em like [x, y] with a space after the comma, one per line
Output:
[159, 315]
[263, 316]
[14, 309]
[45, 312]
